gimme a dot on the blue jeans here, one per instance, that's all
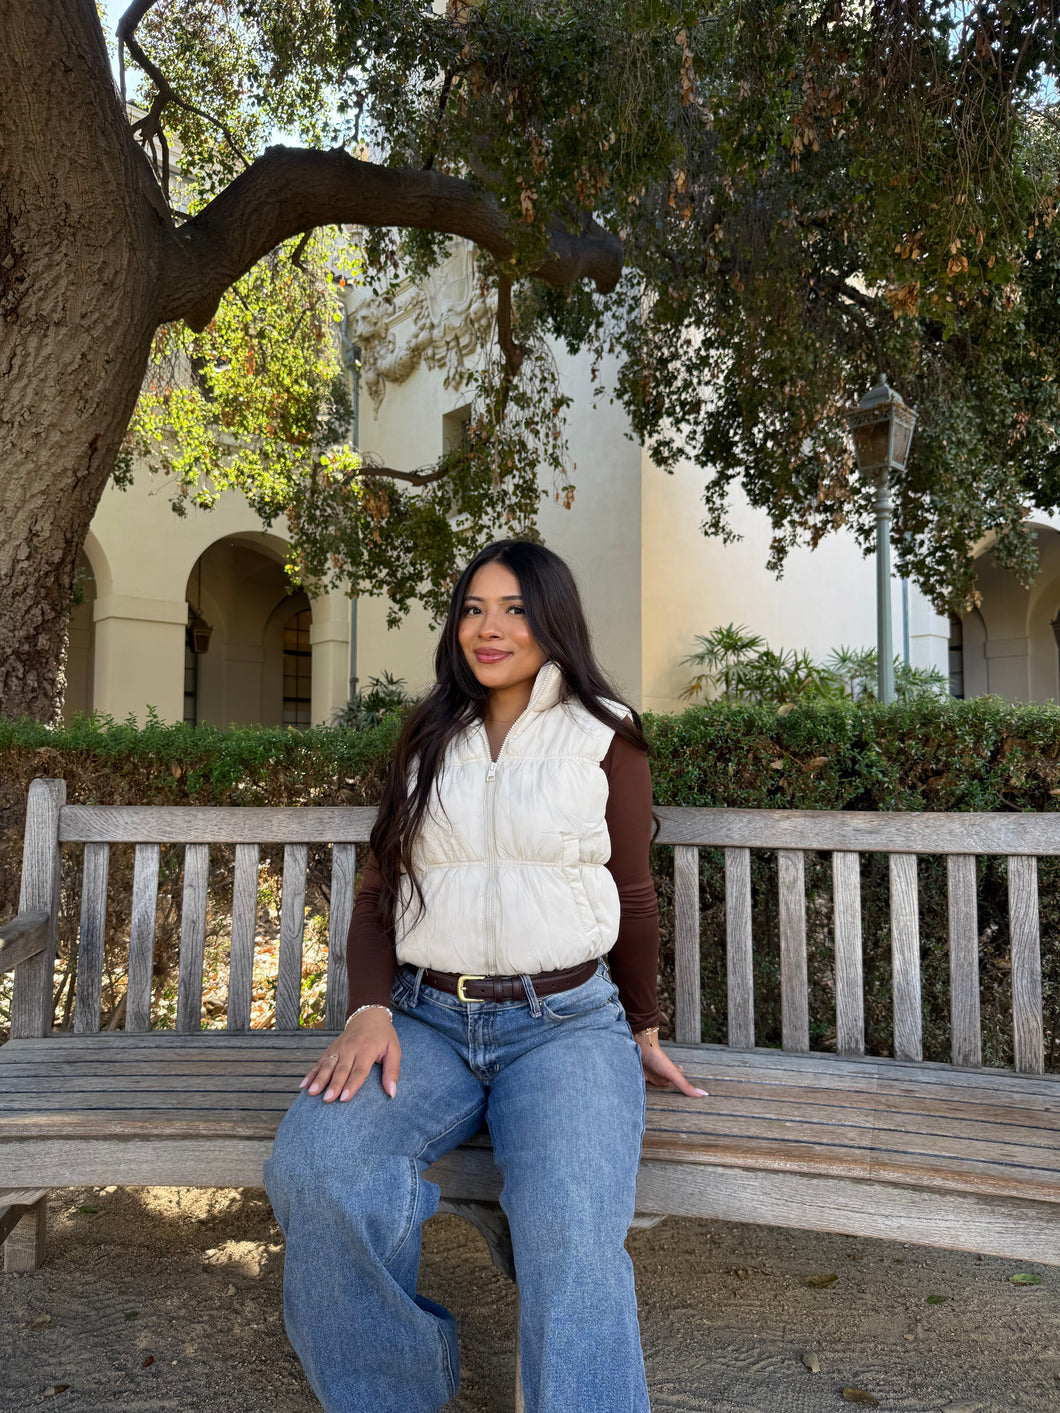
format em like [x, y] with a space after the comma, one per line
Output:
[559, 1082]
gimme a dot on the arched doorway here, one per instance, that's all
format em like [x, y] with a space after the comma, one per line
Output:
[236, 654]
[1009, 642]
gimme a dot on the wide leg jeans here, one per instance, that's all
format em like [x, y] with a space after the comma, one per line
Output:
[559, 1082]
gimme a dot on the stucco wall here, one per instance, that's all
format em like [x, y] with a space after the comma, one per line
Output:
[598, 536]
[691, 584]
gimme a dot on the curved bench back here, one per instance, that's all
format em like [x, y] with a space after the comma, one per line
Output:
[790, 834]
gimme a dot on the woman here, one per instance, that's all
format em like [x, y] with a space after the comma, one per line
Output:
[509, 855]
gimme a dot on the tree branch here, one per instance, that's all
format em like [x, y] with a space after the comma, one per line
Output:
[150, 125]
[414, 478]
[125, 30]
[514, 352]
[299, 251]
[288, 191]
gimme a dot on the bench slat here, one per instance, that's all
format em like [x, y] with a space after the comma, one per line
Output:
[1026, 1118]
[88, 995]
[1018, 1118]
[142, 937]
[739, 955]
[942, 1104]
[825, 1146]
[31, 996]
[192, 937]
[244, 931]
[169, 1049]
[292, 931]
[343, 872]
[1027, 1027]
[861, 831]
[794, 1000]
[732, 1149]
[905, 958]
[765, 1154]
[1008, 1137]
[688, 1000]
[993, 1138]
[849, 1003]
[215, 824]
[966, 1044]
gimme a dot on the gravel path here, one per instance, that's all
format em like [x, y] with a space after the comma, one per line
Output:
[164, 1298]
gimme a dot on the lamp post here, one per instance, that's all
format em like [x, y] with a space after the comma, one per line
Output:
[882, 428]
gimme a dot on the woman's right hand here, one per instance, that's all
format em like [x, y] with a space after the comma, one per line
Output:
[369, 1039]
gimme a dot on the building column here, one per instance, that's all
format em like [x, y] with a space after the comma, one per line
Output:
[929, 634]
[139, 657]
[329, 635]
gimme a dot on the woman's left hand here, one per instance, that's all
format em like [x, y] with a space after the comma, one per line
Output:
[660, 1072]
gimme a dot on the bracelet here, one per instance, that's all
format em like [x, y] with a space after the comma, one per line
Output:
[371, 1006]
[648, 1030]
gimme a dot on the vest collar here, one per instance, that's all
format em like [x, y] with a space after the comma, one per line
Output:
[548, 684]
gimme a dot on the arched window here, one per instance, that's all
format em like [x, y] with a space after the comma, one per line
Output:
[957, 656]
[297, 670]
[191, 678]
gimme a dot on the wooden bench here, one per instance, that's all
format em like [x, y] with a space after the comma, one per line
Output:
[948, 1155]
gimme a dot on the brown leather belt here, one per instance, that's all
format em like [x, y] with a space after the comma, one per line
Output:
[470, 987]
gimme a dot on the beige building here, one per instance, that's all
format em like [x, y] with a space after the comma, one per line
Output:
[194, 617]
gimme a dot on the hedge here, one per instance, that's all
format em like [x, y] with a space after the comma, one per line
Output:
[929, 755]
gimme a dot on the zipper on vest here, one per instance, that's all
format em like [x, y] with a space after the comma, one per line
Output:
[491, 870]
[492, 947]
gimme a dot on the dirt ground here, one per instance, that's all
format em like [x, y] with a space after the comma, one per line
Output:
[163, 1298]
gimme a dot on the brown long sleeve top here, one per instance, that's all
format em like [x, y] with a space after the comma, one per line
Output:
[371, 959]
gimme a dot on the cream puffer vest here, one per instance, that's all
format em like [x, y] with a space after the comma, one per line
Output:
[511, 856]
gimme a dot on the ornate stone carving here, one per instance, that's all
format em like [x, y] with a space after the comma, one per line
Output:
[451, 318]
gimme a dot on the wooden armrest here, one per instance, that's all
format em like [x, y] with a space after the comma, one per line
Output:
[23, 937]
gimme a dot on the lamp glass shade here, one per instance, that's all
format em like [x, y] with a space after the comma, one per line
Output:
[870, 443]
[903, 435]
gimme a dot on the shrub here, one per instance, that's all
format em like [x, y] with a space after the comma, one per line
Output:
[739, 667]
[384, 696]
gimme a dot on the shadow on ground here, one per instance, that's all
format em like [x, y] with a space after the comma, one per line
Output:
[167, 1298]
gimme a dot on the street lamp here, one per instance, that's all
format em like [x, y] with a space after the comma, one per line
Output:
[882, 427]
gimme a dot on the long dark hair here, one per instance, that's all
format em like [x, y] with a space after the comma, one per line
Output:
[554, 612]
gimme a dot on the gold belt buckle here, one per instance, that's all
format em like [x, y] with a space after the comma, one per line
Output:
[468, 976]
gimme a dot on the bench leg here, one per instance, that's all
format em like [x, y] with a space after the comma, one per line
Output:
[490, 1220]
[520, 1406]
[24, 1248]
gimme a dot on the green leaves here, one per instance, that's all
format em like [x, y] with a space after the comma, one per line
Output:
[741, 668]
[260, 401]
[805, 198]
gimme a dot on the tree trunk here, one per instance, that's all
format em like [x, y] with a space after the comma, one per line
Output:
[82, 230]
[90, 264]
